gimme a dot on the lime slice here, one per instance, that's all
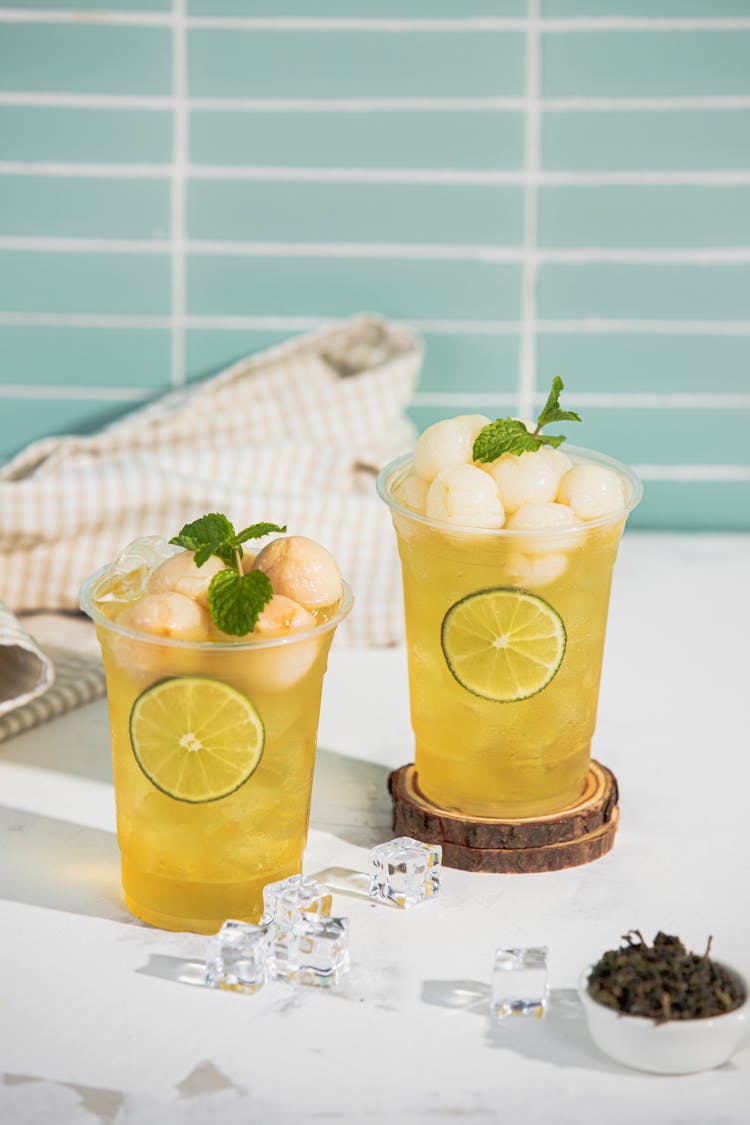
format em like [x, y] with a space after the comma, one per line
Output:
[196, 739]
[503, 644]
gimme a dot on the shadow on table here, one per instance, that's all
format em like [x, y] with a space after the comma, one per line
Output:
[68, 1101]
[350, 799]
[181, 970]
[77, 744]
[59, 865]
[560, 1038]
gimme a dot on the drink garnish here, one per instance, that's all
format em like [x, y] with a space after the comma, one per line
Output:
[236, 600]
[509, 435]
[663, 981]
[196, 739]
[503, 644]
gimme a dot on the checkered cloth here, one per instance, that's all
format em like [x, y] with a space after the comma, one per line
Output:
[290, 435]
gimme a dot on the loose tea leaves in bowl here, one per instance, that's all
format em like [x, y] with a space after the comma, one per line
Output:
[663, 981]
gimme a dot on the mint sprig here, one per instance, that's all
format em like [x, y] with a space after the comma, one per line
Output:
[236, 600]
[508, 435]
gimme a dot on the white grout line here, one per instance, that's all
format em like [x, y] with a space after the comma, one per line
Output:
[178, 201]
[56, 168]
[527, 255]
[628, 104]
[412, 104]
[62, 99]
[595, 400]
[86, 245]
[435, 176]
[50, 390]
[645, 23]
[288, 174]
[590, 326]
[453, 399]
[511, 176]
[532, 160]
[692, 474]
[396, 24]
[364, 250]
[65, 100]
[218, 323]
[79, 17]
[83, 320]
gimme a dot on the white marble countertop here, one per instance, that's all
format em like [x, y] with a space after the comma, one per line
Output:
[99, 1021]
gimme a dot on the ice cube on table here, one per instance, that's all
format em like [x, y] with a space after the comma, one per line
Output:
[285, 899]
[284, 903]
[404, 871]
[520, 982]
[317, 949]
[239, 957]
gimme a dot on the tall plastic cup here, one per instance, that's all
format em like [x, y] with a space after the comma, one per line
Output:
[504, 757]
[192, 858]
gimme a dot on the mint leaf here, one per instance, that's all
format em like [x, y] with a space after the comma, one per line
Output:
[551, 411]
[551, 439]
[236, 600]
[257, 531]
[212, 528]
[203, 554]
[504, 435]
[508, 435]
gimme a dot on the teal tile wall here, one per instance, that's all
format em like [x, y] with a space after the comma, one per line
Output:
[346, 138]
[611, 64]
[76, 282]
[49, 133]
[82, 59]
[374, 213]
[126, 358]
[363, 64]
[186, 181]
[653, 140]
[84, 208]
[324, 287]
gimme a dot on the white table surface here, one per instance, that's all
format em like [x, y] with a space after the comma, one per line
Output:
[99, 1020]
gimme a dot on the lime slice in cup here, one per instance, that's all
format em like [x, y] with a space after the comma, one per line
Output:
[196, 739]
[503, 644]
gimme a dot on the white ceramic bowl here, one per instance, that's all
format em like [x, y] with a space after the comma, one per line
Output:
[676, 1047]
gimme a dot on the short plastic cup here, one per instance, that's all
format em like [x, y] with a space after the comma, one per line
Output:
[189, 866]
[475, 755]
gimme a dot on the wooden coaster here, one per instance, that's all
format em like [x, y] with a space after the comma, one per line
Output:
[579, 834]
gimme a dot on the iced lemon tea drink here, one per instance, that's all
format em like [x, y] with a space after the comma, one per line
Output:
[506, 567]
[213, 735]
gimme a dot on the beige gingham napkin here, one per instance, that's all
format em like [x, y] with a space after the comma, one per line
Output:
[290, 435]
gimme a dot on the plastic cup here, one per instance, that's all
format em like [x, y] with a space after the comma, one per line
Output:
[191, 865]
[475, 755]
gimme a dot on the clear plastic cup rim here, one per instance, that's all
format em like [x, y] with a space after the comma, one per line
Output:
[577, 454]
[100, 619]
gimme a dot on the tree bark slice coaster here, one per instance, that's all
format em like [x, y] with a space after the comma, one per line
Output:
[578, 834]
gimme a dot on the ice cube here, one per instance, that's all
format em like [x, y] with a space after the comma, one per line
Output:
[520, 984]
[239, 957]
[127, 577]
[284, 903]
[317, 950]
[404, 871]
[285, 899]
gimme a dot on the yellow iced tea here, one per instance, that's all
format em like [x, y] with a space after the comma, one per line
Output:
[189, 866]
[478, 755]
